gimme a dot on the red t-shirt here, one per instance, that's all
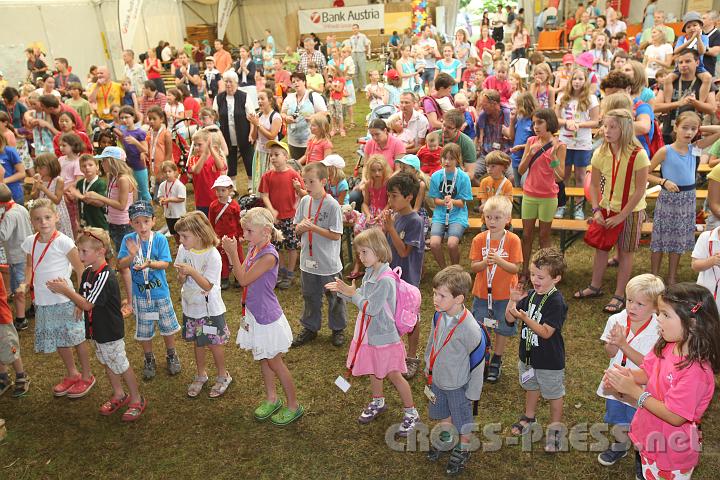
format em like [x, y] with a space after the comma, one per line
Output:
[279, 187]
[503, 87]
[192, 105]
[229, 223]
[204, 180]
[480, 44]
[83, 136]
[6, 316]
[429, 159]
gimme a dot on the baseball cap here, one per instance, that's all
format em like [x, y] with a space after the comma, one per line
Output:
[333, 160]
[223, 181]
[568, 58]
[113, 152]
[275, 143]
[141, 208]
[392, 74]
[411, 160]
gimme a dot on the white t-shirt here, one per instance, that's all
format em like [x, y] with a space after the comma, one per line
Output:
[54, 265]
[173, 190]
[708, 244]
[581, 139]
[644, 343]
[378, 90]
[663, 52]
[209, 264]
[430, 57]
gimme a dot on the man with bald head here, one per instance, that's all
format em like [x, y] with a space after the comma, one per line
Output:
[104, 94]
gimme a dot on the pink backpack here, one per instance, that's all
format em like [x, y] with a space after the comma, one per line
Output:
[407, 303]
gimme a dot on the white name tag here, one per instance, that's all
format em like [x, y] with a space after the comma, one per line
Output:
[696, 152]
[151, 316]
[490, 322]
[429, 394]
[310, 263]
[342, 384]
[209, 330]
[527, 375]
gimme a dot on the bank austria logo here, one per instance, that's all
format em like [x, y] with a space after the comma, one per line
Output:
[353, 15]
[315, 17]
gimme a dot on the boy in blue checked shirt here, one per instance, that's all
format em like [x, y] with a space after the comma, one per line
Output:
[147, 254]
[404, 229]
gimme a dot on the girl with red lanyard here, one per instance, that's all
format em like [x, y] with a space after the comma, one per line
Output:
[319, 145]
[263, 327]
[159, 144]
[675, 383]
[376, 349]
[50, 254]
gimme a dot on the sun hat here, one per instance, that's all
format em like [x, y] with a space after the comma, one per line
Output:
[411, 160]
[333, 160]
[223, 181]
[141, 208]
[585, 60]
[113, 152]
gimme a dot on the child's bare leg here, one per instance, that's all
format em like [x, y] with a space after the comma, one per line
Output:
[437, 251]
[413, 340]
[278, 366]
[655, 262]
[169, 341]
[132, 383]
[66, 354]
[376, 386]
[403, 388]
[531, 401]
[200, 361]
[146, 346]
[527, 242]
[19, 301]
[292, 256]
[115, 383]
[17, 365]
[556, 410]
[454, 250]
[500, 343]
[545, 232]
[269, 380]
[84, 358]
[674, 261]
[218, 353]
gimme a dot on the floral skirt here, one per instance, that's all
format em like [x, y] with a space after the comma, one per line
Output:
[674, 222]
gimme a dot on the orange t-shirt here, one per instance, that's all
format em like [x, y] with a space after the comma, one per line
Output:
[503, 281]
[488, 187]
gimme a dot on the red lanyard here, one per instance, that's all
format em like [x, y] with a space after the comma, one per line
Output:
[90, 281]
[361, 335]
[317, 214]
[637, 334]
[106, 94]
[169, 189]
[250, 257]
[433, 354]
[8, 206]
[614, 172]
[42, 255]
[457, 137]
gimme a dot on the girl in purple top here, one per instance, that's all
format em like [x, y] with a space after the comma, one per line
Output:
[133, 141]
[263, 326]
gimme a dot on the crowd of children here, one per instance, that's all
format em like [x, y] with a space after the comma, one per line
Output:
[487, 129]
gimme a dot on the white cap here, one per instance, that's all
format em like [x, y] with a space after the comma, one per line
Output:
[333, 160]
[223, 181]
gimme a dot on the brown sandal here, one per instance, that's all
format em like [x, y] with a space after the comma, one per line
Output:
[595, 292]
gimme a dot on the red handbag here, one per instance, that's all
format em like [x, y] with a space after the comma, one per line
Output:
[604, 238]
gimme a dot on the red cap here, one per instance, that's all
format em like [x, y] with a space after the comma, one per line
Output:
[568, 58]
[392, 74]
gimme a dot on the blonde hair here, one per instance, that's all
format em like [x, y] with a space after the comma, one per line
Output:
[526, 104]
[628, 141]
[378, 159]
[374, 239]
[568, 93]
[461, 98]
[168, 164]
[196, 223]
[455, 279]
[616, 101]
[639, 80]
[321, 121]
[262, 218]
[97, 236]
[500, 204]
[118, 169]
[687, 115]
[544, 67]
[522, 84]
[211, 138]
[646, 284]
[497, 157]
[335, 173]
[39, 203]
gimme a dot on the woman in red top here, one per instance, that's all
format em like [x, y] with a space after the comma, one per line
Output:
[485, 42]
[205, 166]
[153, 69]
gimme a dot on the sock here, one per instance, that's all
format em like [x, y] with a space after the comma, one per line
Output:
[379, 401]
[5, 378]
[19, 375]
[411, 411]
[465, 447]
[19, 319]
[282, 271]
[149, 357]
[171, 352]
[289, 273]
[496, 358]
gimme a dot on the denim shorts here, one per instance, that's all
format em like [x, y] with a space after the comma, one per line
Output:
[452, 230]
[452, 403]
[618, 413]
[578, 158]
[17, 276]
[480, 311]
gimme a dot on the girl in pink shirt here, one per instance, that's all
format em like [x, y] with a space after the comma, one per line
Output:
[319, 145]
[679, 380]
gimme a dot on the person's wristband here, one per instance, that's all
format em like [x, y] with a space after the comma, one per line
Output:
[555, 164]
[595, 210]
[642, 399]
[664, 180]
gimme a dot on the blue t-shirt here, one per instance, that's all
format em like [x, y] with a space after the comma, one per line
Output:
[706, 41]
[156, 278]
[9, 157]
[410, 228]
[393, 94]
[336, 190]
[450, 70]
[442, 185]
[133, 153]
[470, 128]
[645, 109]
[523, 131]
[678, 168]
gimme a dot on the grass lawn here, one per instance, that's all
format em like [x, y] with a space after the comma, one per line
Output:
[183, 438]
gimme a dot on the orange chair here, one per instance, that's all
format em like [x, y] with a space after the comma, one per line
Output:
[633, 30]
[550, 40]
[677, 26]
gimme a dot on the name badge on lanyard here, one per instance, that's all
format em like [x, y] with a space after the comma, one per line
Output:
[140, 259]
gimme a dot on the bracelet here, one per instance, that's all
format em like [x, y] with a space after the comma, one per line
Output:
[596, 209]
[642, 398]
[662, 184]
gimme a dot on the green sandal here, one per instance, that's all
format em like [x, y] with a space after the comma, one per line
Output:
[286, 416]
[267, 409]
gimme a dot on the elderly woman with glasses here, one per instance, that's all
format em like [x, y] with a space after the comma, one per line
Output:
[297, 109]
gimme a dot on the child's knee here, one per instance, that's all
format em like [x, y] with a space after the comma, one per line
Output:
[453, 243]
[435, 242]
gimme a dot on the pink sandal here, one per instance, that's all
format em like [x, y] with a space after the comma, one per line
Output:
[135, 410]
[114, 404]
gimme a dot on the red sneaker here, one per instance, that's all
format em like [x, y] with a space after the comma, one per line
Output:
[62, 388]
[81, 388]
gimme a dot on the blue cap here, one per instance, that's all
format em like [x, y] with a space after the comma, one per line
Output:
[141, 208]
[113, 152]
[411, 160]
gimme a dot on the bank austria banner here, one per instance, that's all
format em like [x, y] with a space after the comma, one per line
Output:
[128, 15]
[324, 20]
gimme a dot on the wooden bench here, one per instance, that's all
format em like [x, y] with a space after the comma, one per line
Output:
[570, 230]
[579, 192]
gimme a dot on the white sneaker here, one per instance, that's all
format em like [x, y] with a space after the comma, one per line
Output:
[560, 213]
[579, 213]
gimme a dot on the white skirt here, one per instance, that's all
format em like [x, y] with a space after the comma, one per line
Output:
[265, 341]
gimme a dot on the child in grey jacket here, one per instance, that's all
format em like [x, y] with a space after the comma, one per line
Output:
[454, 364]
[376, 349]
[15, 227]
